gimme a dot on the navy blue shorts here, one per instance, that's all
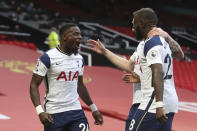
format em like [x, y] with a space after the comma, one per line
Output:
[146, 121]
[68, 121]
[130, 116]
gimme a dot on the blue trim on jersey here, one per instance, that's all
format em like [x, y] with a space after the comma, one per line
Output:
[83, 63]
[151, 101]
[46, 101]
[154, 41]
[47, 84]
[45, 60]
[47, 91]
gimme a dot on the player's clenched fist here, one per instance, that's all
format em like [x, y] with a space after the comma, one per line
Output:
[97, 117]
[46, 118]
[160, 115]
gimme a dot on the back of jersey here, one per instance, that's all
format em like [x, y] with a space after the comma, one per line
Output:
[170, 98]
[156, 51]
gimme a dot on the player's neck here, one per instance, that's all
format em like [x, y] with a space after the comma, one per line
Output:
[63, 50]
[146, 31]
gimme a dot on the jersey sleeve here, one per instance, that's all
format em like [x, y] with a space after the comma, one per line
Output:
[82, 67]
[153, 50]
[154, 56]
[133, 57]
[43, 64]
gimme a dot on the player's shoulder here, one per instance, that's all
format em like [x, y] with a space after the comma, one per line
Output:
[46, 56]
[52, 52]
[152, 42]
[134, 53]
[78, 55]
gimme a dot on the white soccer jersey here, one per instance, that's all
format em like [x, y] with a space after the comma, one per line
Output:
[156, 50]
[136, 86]
[61, 80]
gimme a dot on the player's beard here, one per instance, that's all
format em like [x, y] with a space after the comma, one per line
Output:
[73, 50]
[138, 34]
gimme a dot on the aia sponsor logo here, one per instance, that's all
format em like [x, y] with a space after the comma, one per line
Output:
[70, 77]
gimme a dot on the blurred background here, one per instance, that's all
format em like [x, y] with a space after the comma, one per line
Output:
[26, 27]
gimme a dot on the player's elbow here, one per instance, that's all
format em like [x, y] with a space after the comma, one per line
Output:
[182, 57]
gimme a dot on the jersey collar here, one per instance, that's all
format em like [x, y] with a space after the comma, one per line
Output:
[62, 51]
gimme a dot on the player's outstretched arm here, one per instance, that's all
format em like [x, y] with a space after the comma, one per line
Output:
[45, 118]
[84, 95]
[158, 84]
[174, 46]
[120, 62]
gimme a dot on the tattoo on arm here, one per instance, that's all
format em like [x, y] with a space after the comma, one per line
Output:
[175, 48]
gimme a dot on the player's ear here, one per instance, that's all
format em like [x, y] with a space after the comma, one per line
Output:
[64, 37]
[143, 23]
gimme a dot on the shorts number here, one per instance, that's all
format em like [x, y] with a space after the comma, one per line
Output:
[169, 61]
[83, 126]
[132, 125]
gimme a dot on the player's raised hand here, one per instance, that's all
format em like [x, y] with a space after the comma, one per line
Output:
[160, 115]
[131, 78]
[157, 31]
[96, 46]
[97, 117]
[45, 118]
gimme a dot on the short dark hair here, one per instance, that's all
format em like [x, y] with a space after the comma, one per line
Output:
[65, 28]
[148, 15]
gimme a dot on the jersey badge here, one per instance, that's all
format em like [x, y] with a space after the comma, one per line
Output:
[78, 63]
[58, 63]
[153, 54]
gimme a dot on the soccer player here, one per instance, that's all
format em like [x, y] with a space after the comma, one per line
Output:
[61, 68]
[159, 101]
[137, 95]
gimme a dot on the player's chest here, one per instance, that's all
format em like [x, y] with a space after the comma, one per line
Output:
[142, 60]
[68, 65]
[140, 55]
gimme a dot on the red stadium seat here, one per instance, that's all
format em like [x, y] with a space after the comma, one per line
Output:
[3, 37]
[124, 30]
[28, 45]
[9, 42]
[32, 46]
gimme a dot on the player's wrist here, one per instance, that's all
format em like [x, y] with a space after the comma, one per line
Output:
[104, 51]
[39, 109]
[159, 104]
[93, 107]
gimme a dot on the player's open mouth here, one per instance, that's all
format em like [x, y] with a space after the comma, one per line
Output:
[77, 45]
